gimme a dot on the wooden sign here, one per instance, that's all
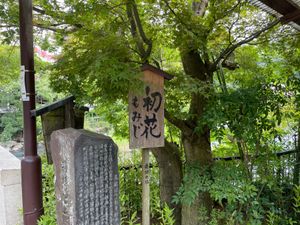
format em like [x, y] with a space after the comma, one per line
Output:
[146, 110]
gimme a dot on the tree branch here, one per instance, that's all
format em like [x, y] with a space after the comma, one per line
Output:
[7, 25]
[224, 55]
[147, 41]
[137, 30]
[133, 31]
[38, 10]
[181, 124]
[230, 65]
[139, 26]
[234, 23]
[43, 26]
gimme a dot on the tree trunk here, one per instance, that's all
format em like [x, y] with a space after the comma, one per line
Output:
[170, 175]
[197, 146]
[197, 150]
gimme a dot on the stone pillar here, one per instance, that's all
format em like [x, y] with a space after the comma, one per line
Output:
[87, 179]
[10, 189]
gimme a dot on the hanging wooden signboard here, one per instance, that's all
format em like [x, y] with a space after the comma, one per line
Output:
[146, 123]
[146, 110]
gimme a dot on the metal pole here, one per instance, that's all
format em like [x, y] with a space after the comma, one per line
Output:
[31, 163]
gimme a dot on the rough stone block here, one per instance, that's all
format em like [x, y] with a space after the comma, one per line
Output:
[87, 179]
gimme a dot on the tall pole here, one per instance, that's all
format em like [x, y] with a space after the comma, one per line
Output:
[31, 163]
[146, 187]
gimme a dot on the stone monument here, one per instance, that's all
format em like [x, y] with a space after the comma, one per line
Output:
[87, 179]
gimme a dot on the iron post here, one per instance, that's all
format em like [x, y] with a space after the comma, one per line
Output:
[31, 163]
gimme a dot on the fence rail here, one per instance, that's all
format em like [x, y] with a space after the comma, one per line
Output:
[229, 158]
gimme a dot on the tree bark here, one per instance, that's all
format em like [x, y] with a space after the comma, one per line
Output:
[197, 150]
[170, 175]
[197, 146]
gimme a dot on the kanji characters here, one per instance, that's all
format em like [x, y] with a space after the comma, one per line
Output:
[146, 125]
[154, 100]
[151, 126]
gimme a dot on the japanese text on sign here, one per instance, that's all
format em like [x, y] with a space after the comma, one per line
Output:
[146, 113]
[146, 125]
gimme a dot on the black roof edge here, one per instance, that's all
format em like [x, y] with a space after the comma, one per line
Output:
[157, 71]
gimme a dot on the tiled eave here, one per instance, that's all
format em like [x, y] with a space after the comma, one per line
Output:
[287, 10]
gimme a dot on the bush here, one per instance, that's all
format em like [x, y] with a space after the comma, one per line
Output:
[239, 200]
[49, 217]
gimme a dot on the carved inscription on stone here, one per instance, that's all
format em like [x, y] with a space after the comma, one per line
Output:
[97, 185]
[91, 196]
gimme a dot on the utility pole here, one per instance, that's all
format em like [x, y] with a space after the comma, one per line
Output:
[31, 163]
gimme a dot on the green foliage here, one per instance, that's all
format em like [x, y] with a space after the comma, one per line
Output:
[132, 220]
[294, 86]
[238, 200]
[9, 11]
[274, 219]
[9, 64]
[94, 66]
[49, 201]
[131, 187]
[12, 126]
[97, 123]
[216, 216]
[251, 110]
[195, 180]
[167, 217]
[10, 122]
[229, 183]
[43, 88]
[117, 117]
[247, 112]
[297, 199]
